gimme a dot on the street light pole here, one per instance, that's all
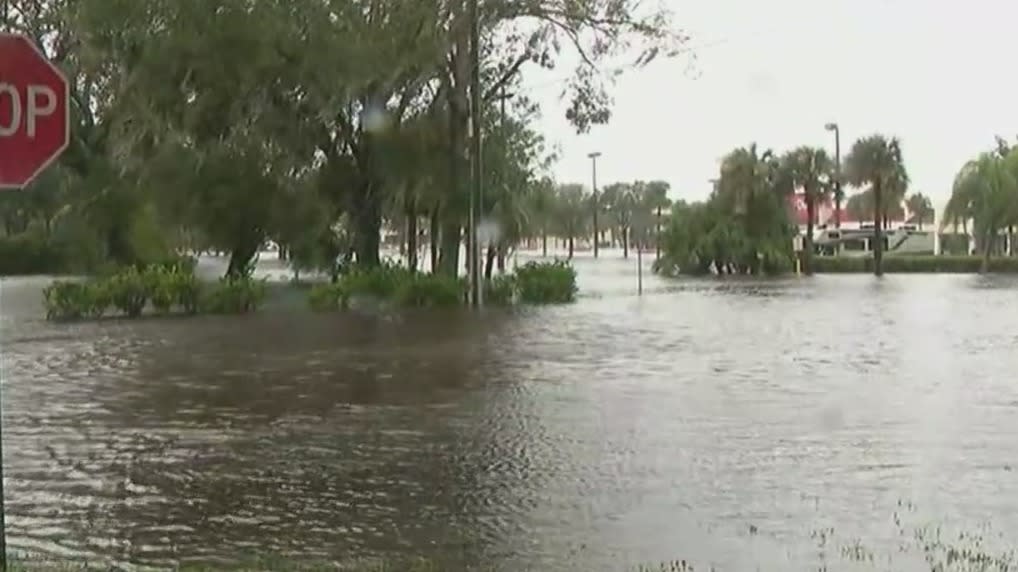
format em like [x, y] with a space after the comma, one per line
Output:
[593, 175]
[837, 172]
[475, 151]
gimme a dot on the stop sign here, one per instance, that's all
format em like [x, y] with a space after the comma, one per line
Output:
[34, 117]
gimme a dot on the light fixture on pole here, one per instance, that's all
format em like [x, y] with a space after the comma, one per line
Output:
[593, 175]
[837, 172]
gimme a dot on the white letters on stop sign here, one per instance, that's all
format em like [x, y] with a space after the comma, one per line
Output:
[41, 101]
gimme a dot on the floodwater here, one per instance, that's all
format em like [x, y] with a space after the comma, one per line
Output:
[722, 422]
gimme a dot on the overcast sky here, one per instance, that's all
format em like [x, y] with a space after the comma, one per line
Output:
[939, 74]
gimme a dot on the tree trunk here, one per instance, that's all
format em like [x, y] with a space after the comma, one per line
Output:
[449, 253]
[241, 257]
[433, 233]
[571, 245]
[878, 235]
[411, 237]
[489, 262]
[988, 246]
[503, 252]
[625, 244]
[544, 242]
[368, 229]
[807, 257]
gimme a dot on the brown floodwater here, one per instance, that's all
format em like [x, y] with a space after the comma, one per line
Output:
[717, 421]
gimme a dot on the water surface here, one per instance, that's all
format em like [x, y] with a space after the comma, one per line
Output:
[718, 421]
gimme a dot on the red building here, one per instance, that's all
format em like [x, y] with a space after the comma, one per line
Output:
[825, 214]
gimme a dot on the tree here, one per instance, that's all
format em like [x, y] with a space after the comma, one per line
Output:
[921, 208]
[743, 228]
[810, 168]
[986, 189]
[877, 161]
[572, 210]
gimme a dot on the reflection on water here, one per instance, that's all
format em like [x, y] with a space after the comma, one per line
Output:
[717, 421]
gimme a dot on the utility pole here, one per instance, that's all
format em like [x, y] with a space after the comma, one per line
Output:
[503, 96]
[476, 289]
[593, 167]
[837, 172]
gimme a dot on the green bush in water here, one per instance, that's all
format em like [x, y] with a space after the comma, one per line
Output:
[546, 283]
[235, 295]
[329, 297]
[500, 290]
[129, 291]
[429, 291]
[914, 264]
[379, 282]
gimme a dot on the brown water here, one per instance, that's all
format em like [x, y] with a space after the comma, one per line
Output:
[715, 421]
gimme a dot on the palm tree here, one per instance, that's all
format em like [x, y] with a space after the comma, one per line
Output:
[810, 169]
[542, 211]
[921, 208]
[877, 161]
[986, 189]
[571, 213]
[656, 197]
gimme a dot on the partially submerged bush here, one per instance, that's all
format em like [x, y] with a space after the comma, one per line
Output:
[235, 295]
[429, 291]
[500, 290]
[534, 283]
[165, 287]
[329, 297]
[546, 283]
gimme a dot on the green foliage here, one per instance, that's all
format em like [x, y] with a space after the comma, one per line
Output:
[501, 290]
[533, 283]
[546, 283]
[30, 254]
[129, 291]
[234, 295]
[921, 264]
[380, 282]
[429, 291]
[168, 287]
[743, 228]
[329, 297]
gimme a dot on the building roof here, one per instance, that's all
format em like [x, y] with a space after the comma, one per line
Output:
[826, 212]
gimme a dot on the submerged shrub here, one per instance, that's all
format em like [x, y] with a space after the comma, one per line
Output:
[429, 291]
[66, 300]
[546, 283]
[329, 297]
[233, 295]
[500, 290]
[129, 291]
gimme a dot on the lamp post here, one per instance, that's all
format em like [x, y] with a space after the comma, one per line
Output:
[476, 289]
[837, 172]
[593, 175]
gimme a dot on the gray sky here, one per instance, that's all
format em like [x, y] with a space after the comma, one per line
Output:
[939, 74]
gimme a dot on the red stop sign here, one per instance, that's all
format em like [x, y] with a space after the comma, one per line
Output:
[34, 117]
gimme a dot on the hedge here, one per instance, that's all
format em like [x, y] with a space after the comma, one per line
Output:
[920, 264]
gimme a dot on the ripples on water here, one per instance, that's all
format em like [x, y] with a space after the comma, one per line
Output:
[622, 429]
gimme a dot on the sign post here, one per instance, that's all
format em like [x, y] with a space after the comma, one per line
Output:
[34, 131]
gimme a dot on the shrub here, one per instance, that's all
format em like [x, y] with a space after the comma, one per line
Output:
[500, 290]
[429, 291]
[129, 291]
[28, 254]
[65, 300]
[379, 282]
[918, 264]
[234, 295]
[546, 283]
[329, 297]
